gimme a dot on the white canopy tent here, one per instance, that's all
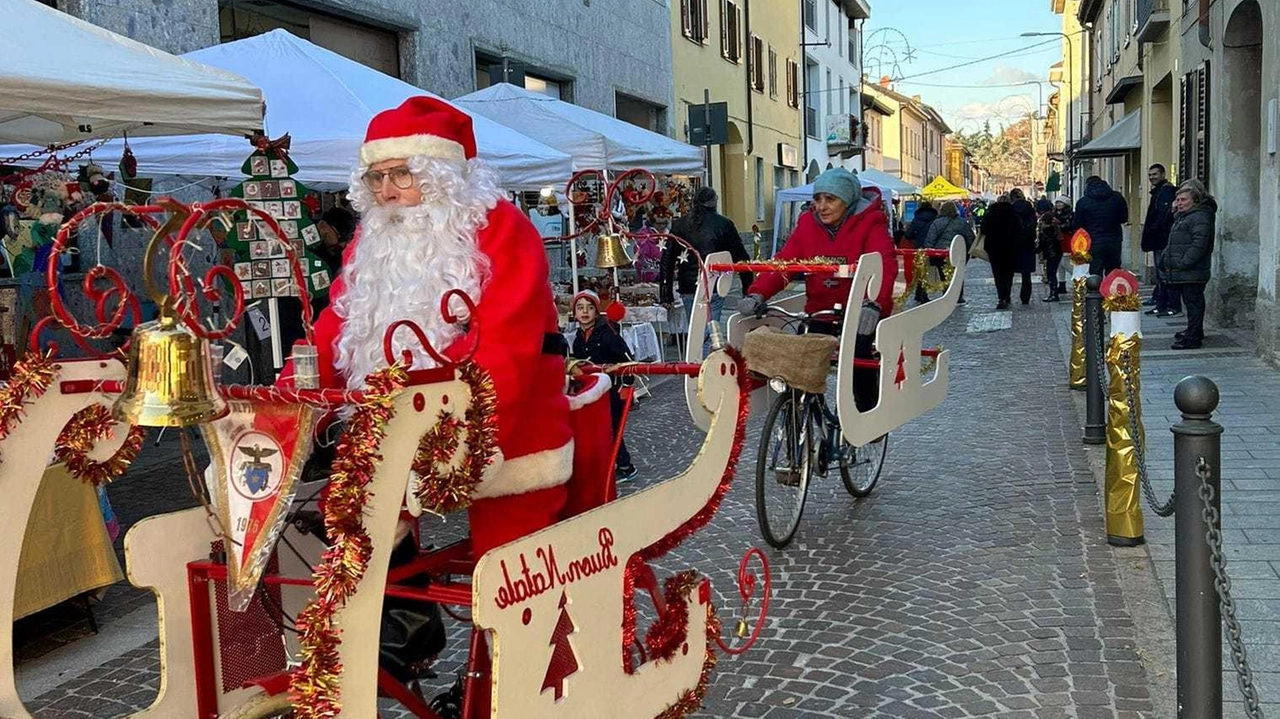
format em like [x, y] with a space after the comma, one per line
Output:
[63, 79]
[804, 193]
[324, 101]
[595, 140]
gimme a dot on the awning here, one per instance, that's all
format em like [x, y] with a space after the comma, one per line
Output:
[941, 189]
[1120, 139]
[1054, 184]
[1122, 88]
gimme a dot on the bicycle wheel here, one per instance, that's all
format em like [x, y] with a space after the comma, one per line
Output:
[860, 467]
[783, 466]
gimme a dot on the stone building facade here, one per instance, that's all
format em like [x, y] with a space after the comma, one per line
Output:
[609, 56]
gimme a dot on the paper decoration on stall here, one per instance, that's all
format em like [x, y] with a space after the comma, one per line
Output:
[261, 264]
[258, 451]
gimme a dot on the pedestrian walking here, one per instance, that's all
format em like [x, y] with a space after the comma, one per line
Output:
[1026, 258]
[1101, 212]
[946, 227]
[598, 343]
[1165, 300]
[1067, 226]
[1049, 244]
[1187, 259]
[1000, 230]
[707, 231]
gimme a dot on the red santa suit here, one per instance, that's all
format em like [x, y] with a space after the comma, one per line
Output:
[524, 488]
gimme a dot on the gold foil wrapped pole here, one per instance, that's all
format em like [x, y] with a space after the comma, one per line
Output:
[1076, 375]
[1124, 416]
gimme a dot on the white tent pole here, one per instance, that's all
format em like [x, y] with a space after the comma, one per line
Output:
[273, 314]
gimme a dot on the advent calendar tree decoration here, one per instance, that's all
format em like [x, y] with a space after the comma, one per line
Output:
[261, 265]
[563, 661]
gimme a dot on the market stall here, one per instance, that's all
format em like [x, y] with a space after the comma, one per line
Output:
[63, 79]
[323, 101]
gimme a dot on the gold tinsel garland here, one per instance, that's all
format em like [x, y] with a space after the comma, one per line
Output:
[450, 490]
[77, 439]
[314, 685]
[1122, 303]
[920, 278]
[691, 700]
[30, 378]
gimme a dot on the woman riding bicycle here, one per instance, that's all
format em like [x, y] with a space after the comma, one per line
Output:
[846, 222]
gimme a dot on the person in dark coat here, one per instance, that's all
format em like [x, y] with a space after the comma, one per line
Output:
[1001, 228]
[1026, 259]
[708, 231]
[1102, 212]
[1155, 235]
[921, 222]
[1049, 244]
[598, 343]
[1188, 257]
[1067, 225]
[918, 233]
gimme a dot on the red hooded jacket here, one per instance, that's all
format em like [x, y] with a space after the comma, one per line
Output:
[862, 232]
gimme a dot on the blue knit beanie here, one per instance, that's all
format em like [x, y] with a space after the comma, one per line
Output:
[841, 183]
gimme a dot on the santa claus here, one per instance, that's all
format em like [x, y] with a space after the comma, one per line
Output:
[433, 219]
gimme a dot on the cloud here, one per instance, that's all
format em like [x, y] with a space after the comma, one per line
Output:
[1009, 75]
[1006, 110]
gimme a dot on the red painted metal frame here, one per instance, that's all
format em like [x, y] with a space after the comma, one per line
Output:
[454, 558]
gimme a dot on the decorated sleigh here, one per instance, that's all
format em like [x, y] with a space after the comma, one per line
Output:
[557, 627]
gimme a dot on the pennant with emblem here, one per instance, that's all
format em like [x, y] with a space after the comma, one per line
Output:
[258, 450]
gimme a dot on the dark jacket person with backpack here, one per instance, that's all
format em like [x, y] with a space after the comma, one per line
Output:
[1102, 212]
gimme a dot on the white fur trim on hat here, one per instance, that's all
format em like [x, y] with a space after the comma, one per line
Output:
[395, 148]
[597, 390]
[527, 473]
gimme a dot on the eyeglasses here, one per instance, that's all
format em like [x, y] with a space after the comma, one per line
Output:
[401, 176]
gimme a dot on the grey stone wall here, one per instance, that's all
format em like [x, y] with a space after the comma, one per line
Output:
[603, 46]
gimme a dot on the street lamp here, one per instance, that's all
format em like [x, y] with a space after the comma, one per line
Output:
[1071, 82]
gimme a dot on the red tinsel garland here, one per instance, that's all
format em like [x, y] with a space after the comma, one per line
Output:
[694, 523]
[77, 439]
[450, 490]
[691, 701]
[671, 629]
[30, 378]
[314, 686]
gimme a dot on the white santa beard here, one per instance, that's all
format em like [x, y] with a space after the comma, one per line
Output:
[406, 259]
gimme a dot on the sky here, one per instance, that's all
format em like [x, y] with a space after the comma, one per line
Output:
[919, 39]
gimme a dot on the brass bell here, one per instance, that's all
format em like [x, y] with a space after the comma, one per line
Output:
[610, 253]
[741, 630]
[170, 380]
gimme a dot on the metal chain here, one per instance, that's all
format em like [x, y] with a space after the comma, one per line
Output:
[1139, 448]
[1226, 606]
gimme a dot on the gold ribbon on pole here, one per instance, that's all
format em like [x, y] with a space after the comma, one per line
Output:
[1123, 485]
[1076, 366]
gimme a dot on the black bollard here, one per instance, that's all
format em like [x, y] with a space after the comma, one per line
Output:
[1095, 399]
[1199, 623]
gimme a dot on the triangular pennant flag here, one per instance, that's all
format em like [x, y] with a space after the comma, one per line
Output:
[258, 451]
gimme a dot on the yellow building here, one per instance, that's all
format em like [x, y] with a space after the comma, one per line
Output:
[1069, 76]
[751, 62]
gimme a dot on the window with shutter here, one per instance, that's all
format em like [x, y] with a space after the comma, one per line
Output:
[724, 29]
[1184, 127]
[705, 23]
[755, 62]
[1202, 123]
[735, 32]
[686, 18]
[773, 73]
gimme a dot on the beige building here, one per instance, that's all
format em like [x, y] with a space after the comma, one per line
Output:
[912, 134]
[1069, 76]
[745, 55]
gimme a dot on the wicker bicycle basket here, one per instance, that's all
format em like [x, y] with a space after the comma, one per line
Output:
[802, 361]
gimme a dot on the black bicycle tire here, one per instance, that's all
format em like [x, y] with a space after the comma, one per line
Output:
[855, 490]
[762, 462]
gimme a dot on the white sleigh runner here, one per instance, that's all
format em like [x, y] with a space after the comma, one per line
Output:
[899, 338]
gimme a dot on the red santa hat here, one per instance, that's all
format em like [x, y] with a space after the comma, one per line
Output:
[420, 126]
[588, 295]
